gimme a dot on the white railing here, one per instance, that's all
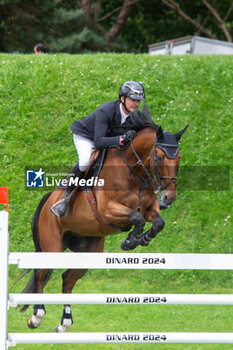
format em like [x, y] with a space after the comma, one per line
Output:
[122, 261]
[107, 261]
[71, 338]
[121, 299]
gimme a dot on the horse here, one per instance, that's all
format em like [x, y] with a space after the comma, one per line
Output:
[132, 175]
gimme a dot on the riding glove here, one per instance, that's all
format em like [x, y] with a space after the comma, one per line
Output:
[128, 136]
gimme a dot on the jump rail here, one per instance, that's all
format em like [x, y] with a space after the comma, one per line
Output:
[71, 338]
[122, 261]
[107, 261]
[121, 299]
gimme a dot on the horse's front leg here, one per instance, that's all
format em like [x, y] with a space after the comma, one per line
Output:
[121, 216]
[152, 215]
[134, 237]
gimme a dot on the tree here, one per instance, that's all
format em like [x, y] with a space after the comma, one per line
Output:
[63, 25]
[206, 22]
[60, 25]
[78, 26]
[121, 19]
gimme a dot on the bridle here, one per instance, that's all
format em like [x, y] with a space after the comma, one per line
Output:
[149, 179]
[159, 177]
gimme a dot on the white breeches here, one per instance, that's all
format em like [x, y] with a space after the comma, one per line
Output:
[84, 148]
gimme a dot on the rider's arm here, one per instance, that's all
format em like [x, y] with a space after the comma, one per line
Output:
[101, 128]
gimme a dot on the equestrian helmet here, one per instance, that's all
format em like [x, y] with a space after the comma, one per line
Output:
[132, 89]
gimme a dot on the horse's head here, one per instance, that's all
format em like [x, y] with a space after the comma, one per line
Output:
[166, 158]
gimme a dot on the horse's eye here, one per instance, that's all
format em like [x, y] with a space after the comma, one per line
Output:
[160, 159]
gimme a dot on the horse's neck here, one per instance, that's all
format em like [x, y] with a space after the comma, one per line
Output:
[143, 145]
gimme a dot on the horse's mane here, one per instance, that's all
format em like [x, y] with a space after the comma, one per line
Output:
[134, 122]
[142, 123]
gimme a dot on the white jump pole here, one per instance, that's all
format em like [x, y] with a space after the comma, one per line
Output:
[121, 299]
[122, 261]
[140, 337]
[106, 261]
[4, 247]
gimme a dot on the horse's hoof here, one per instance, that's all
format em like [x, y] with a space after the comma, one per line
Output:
[144, 242]
[30, 323]
[60, 329]
[35, 320]
[129, 245]
[125, 245]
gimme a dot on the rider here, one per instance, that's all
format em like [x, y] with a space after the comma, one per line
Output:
[92, 132]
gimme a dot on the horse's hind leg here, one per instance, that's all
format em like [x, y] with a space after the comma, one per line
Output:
[35, 320]
[69, 279]
[71, 276]
[47, 234]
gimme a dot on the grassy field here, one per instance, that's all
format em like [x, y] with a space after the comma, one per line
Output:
[40, 98]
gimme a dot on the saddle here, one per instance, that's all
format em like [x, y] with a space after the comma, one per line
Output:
[94, 167]
[93, 170]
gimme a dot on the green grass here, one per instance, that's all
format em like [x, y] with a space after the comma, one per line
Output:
[40, 98]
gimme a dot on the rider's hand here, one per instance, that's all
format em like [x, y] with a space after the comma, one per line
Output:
[128, 136]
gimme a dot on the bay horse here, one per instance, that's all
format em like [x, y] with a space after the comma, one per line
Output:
[132, 177]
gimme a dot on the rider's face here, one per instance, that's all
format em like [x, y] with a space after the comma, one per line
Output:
[131, 105]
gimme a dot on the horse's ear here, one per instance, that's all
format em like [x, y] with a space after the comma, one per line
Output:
[179, 133]
[145, 111]
[160, 136]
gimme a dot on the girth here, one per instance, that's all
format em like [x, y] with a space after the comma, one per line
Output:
[93, 204]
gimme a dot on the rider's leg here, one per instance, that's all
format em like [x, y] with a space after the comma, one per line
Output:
[61, 207]
[84, 148]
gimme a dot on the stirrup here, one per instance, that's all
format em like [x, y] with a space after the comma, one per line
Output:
[60, 208]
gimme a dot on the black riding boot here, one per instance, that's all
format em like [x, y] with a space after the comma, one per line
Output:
[61, 207]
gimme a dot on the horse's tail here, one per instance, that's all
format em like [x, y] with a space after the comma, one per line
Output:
[31, 285]
[35, 221]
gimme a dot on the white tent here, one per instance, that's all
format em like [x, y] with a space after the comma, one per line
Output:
[191, 45]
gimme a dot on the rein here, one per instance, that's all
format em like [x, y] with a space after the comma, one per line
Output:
[145, 181]
[149, 177]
